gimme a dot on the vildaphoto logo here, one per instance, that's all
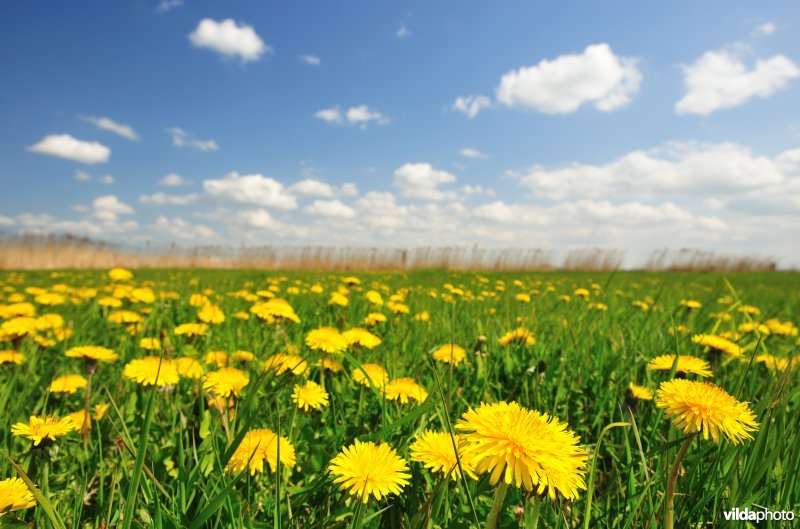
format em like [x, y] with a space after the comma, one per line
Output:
[757, 515]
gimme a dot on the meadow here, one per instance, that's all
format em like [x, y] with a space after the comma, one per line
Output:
[418, 399]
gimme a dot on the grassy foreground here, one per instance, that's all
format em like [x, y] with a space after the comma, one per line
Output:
[161, 455]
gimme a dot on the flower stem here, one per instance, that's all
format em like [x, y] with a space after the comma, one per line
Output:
[669, 519]
[493, 522]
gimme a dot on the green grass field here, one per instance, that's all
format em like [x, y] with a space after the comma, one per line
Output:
[160, 457]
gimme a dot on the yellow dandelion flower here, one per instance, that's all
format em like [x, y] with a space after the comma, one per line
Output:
[519, 335]
[47, 427]
[686, 364]
[17, 309]
[351, 281]
[374, 318]
[242, 356]
[11, 357]
[17, 327]
[120, 274]
[92, 352]
[398, 308]
[280, 363]
[124, 316]
[691, 304]
[217, 358]
[147, 372]
[450, 354]
[777, 363]
[211, 313]
[704, 407]
[754, 326]
[14, 495]
[198, 300]
[68, 384]
[275, 311]
[310, 396]
[435, 451]
[640, 392]
[327, 340]
[718, 343]
[46, 322]
[374, 297]
[338, 299]
[403, 389]
[188, 367]
[191, 329]
[524, 447]
[581, 293]
[422, 316]
[258, 446]
[100, 411]
[241, 315]
[378, 377]
[110, 302]
[150, 344]
[226, 381]
[361, 337]
[366, 469]
[330, 364]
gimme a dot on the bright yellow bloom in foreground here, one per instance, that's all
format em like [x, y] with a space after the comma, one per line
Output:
[226, 381]
[68, 384]
[11, 357]
[519, 335]
[370, 375]
[403, 389]
[45, 427]
[146, 371]
[310, 396]
[262, 444]
[450, 354]
[211, 313]
[704, 407]
[327, 340]
[14, 496]
[92, 352]
[718, 343]
[686, 364]
[120, 274]
[523, 447]
[435, 451]
[361, 337]
[188, 367]
[367, 469]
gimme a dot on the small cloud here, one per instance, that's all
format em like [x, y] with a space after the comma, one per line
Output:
[7, 221]
[360, 115]
[174, 180]
[229, 38]
[471, 105]
[330, 208]
[106, 179]
[65, 146]
[331, 115]
[313, 60]
[181, 138]
[475, 154]
[164, 199]
[767, 28]
[403, 32]
[126, 131]
[167, 5]
[82, 176]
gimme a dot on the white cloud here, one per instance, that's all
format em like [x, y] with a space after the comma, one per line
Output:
[311, 188]
[313, 60]
[330, 208]
[675, 169]
[381, 210]
[421, 180]
[767, 28]
[596, 76]
[254, 189]
[126, 131]
[7, 221]
[403, 32]
[229, 38]
[471, 105]
[167, 5]
[720, 79]
[163, 198]
[106, 179]
[82, 176]
[360, 115]
[181, 229]
[479, 190]
[181, 138]
[65, 146]
[475, 154]
[174, 180]
[258, 218]
[108, 208]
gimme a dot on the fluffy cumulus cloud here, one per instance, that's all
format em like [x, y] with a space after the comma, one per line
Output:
[762, 30]
[257, 218]
[181, 229]
[674, 169]
[174, 180]
[253, 189]
[103, 123]
[230, 38]
[165, 199]
[67, 147]
[596, 76]
[721, 79]
[471, 105]
[330, 208]
[310, 187]
[361, 116]
[181, 138]
[422, 181]
[475, 154]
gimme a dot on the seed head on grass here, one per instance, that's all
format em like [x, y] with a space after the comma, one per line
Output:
[704, 407]
[524, 447]
[365, 469]
[47, 427]
[14, 496]
[262, 445]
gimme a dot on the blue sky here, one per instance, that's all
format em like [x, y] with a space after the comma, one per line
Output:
[630, 125]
